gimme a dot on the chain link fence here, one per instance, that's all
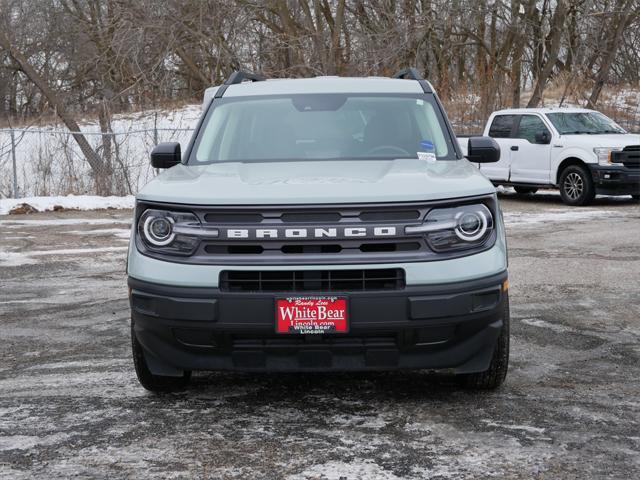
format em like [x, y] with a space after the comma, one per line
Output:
[48, 161]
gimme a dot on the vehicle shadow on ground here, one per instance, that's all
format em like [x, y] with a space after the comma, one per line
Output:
[272, 388]
[550, 197]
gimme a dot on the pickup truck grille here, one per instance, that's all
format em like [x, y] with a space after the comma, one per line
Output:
[312, 281]
[629, 156]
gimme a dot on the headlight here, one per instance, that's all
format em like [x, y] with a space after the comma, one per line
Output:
[158, 230]
[174, 233]
[604, 154]
[456, 228]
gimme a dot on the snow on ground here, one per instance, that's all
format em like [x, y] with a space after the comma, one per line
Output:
[70, 202]
[17, 259]
[49, 161]
[556, 215]
[116, 232]
[16, 222]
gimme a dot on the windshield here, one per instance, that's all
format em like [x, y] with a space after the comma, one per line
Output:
[321, 127]
[589, 123]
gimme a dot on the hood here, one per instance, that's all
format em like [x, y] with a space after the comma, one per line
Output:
[606, 140]
[316, 182]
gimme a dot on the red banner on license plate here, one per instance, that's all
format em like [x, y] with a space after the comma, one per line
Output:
[311, 315]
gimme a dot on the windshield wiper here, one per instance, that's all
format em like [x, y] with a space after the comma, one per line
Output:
[576, 132]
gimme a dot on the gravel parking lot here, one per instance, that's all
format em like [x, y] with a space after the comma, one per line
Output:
[70, 404]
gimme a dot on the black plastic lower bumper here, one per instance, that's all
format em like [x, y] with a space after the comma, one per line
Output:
[616, 180]
[446, 327]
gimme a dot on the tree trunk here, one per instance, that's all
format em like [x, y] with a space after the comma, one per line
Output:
[336, 63]
[103, 185]
[554, 50]
[609, 54]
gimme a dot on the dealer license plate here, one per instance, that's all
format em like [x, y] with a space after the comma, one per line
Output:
[312, 315]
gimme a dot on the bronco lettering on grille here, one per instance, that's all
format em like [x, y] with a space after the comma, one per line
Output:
[309, 233]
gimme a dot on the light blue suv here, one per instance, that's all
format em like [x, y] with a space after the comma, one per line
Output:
[320, 224]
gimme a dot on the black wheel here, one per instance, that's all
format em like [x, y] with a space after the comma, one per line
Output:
[154, 383]
[494, 376]
[576, 186]
[525, 190]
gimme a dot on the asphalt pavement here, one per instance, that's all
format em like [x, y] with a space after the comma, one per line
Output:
[70, 405]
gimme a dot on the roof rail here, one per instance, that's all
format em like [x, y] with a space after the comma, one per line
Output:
[411, 73]
[240, 76]
[237, 77]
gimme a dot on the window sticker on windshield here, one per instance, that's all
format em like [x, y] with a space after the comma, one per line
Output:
[427, 145]
[419, 101]
[427, 156]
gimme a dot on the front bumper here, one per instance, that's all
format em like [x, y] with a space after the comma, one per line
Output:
[450, 327]
[616, 179]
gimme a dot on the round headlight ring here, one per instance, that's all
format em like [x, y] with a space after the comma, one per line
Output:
[476, 233]
[151, 237]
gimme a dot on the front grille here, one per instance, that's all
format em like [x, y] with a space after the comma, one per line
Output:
[319, 217]
[322, 235]
[629, 156]
[312, 280]
[311, 248]
[332, 220]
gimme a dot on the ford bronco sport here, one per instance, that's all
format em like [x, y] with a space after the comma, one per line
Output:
[320, 224]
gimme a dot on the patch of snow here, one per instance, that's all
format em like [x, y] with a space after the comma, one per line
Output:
[338, 470]
[524, 428]
[77, 364]
[519, 218]
[10, 223]
[25, 442]
[75, 251]
[536, 322]
[52, 149]
[15, 259]
[624, 98]
[117, 232]
[69, 202]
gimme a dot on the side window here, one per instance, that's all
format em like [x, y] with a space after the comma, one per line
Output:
[501, 126]
[529, 126]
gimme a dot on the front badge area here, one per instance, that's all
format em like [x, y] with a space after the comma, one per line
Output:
[311, 315]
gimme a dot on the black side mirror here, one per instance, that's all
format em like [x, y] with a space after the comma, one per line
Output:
[483, 150]
[543, 137]
[166, 155]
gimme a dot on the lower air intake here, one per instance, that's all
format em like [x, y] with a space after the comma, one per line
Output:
[312, 281]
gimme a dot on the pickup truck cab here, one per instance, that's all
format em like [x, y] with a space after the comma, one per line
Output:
[319, 224]
[582, 152]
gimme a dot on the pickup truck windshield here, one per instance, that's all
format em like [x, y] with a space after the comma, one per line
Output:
[321, 127]
[587, 123]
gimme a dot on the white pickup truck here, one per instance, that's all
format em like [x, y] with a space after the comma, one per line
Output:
[581, 152]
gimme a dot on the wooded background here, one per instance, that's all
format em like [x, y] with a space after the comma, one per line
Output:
[67, 58]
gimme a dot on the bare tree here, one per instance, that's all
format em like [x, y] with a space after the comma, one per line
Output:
[92, 158]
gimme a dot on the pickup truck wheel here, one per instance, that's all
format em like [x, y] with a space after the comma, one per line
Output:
[576, 186]
[525, 190]
[151, 382]
[494, 376]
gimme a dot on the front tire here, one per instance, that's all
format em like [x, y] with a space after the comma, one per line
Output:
[495, 375]
[576, 186]
[151, 382]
